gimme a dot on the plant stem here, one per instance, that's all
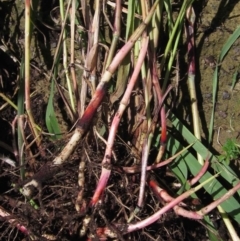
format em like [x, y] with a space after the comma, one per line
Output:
[106, 162]
[116, 33]
[65, 64]
[96, 100]
[135, 169]
[191, 75]
[27, 72]
[75, 84]
[167, 207]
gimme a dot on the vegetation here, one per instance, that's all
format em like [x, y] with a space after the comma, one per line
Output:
[231, 151]
[96, 137]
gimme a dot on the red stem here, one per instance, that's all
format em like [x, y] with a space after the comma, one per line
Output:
[162, 194]
[158, 90]
[200, 174]
[106, 162]
[84, 122]
[214, 204]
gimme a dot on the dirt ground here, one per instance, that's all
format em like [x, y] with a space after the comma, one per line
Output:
[217, 21]
[57, 219]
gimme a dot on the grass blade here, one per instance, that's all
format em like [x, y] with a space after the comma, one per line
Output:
[224, 51]
[51, 120]
[216, 190]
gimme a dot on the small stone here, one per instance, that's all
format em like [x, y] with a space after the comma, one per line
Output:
[226, 95]
[207, 95]
[210, 61]
[222, 114]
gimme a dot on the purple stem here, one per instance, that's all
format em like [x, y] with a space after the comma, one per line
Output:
[106, 162]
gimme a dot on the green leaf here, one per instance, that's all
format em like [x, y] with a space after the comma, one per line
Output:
[234, 80]
[178, 167]
[130, 18]
[229, 43]
[215, 189]
[51, 120]
[224, 51]
[20, 104]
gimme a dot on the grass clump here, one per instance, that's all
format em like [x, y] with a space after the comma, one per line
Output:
[231, 151]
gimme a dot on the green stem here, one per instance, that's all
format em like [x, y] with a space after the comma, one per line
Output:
[65, 64]
[27, 72]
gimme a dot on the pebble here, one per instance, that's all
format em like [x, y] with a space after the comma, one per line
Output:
[226, 95]
[207, 95]
[222, 114]
[210, 61]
